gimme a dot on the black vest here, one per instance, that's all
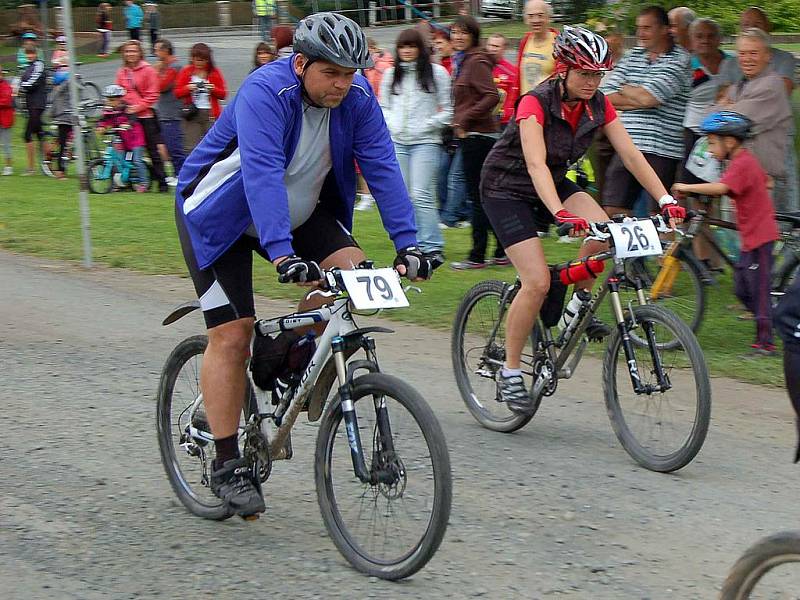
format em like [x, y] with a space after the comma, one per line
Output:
[505, 171]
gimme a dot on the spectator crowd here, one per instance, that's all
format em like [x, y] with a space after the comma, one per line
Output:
[447, 95]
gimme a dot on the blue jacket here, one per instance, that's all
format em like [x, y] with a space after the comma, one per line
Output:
[134, 15]
[235, 175]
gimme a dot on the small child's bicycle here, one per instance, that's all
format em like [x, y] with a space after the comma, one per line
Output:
[115, 170]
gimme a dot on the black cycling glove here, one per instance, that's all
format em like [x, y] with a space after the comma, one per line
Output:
[417, 264]
[294, 269]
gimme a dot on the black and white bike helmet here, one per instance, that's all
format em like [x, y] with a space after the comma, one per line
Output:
[333, 38]
[113, 91]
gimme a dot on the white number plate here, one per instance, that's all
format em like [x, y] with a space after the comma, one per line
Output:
[374, 288]
[635, 238]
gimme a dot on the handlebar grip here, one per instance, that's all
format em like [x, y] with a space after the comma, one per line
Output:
[691, 214]
[564, 229]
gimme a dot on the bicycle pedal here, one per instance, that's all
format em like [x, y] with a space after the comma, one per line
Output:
[254, 517]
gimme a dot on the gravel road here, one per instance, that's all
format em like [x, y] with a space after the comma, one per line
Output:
[555, 510]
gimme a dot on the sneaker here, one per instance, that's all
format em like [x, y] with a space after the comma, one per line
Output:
[565, 239]
[365, 202]
[46, 168]
[445, 226]
[8, 171]
[172, 181]
[502, 261]
[140, 188]
[746, 316]
[466, 265]
[762, 350]
[233, 483]
[463, 224]
[597, 330]
[511, 390]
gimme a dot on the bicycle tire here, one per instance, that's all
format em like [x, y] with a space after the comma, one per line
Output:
[786, 274]
[417, 557]
[757, 561]
[682, 335]
[690, 307]
[181, 354]
[475, 405]
[97, 185]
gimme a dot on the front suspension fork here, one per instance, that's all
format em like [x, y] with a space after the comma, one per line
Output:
[627, 344]
[349, 413]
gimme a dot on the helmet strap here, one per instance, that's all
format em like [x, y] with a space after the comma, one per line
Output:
[306, 98]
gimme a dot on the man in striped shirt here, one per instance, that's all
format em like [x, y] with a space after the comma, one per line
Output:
[650, 87]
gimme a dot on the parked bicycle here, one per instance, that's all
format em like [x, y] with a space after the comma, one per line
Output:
[680, 281]
[115, 170]
[382, 469]
[755, 576]
[655, 381]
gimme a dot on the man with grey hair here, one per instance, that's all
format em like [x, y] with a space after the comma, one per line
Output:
[535, 55]
[680, 19]
[783, 63]
[761, 97]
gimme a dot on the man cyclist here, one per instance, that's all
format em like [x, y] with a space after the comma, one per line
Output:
[524, 187]
[275, 175]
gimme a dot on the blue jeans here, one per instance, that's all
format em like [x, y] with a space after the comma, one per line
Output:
[445, 158]
[172, 132]
[139, 172]
[265, 27]
[456, 208]
[419, 164]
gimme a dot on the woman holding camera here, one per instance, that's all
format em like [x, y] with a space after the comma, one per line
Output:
[201, 86]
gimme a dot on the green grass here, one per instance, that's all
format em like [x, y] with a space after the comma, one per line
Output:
[40, 216]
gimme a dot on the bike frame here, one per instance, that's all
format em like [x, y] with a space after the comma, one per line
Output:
[114, 158]
[339, 337]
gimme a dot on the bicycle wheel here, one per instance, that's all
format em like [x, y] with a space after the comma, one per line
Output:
[186, 459]
[101, 179]
[761, 558]
[91, 100]
[682, 286]
[477, 349]
[662, 431]
[383, 530]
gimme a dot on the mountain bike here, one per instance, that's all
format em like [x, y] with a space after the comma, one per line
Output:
[753, 577]
[382, 472]
[115, 170]
[655, 381]
[679, 280]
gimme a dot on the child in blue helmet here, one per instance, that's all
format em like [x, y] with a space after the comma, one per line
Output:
[29, 40]
[746, 183]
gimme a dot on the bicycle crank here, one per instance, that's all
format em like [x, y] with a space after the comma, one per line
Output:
[545, 382]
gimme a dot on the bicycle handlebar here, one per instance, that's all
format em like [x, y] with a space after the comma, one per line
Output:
[599, 231]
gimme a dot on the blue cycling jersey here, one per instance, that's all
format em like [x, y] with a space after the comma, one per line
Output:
[234, 178]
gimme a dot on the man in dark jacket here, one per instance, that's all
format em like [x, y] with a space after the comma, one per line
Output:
[33, 84]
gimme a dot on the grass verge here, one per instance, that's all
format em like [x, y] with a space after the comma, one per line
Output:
[40, 216]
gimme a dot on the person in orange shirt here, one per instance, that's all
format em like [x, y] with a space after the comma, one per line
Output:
[383, 60]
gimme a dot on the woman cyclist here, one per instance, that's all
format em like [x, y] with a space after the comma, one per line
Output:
[524, 187]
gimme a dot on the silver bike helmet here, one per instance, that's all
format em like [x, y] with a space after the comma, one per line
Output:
[333, 38]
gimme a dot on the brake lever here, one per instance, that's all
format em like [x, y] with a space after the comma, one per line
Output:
[662, 226]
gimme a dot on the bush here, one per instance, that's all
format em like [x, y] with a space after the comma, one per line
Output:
[622, 15]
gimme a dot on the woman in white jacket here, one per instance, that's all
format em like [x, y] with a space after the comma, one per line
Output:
[416, 102]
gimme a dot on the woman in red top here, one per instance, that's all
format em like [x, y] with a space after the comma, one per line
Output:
[524, 187]
[200, 84]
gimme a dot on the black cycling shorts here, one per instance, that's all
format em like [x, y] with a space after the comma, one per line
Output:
[225, 288]
[515, 218]
[34, 125]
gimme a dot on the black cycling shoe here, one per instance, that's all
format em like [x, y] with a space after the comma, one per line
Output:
[597, 330]
[233, 483]
[511, 390]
